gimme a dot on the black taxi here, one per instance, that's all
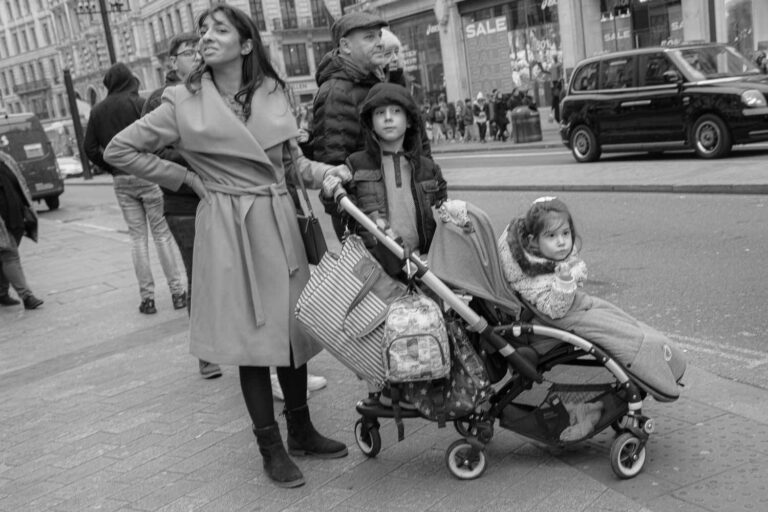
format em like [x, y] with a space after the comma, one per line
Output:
[706, 97]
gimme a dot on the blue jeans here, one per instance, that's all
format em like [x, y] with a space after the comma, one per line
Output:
[142, 202]
[11, 272]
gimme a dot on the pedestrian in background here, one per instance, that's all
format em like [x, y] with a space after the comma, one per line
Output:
[233, 124]
[393, 52]
[180, 206]
[450, 121]
[18, 218]
[140, 201]
[437, 117]
[469, 120]
[481, 113]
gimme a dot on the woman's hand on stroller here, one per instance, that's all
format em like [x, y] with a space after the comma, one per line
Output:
[334, 177]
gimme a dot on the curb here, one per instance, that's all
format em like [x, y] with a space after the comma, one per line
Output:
[657, 189]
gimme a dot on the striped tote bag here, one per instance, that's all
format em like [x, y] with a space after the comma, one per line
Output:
[344, 305]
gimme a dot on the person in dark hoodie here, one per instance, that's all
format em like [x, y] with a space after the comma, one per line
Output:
[139, 200]
[392, 182]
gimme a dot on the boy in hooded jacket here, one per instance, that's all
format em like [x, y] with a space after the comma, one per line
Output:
[392, 182]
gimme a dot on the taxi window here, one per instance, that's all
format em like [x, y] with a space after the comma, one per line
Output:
[617, 73]
[652, 69]
[585, 78]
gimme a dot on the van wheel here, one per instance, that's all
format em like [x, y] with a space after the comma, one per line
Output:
[710, 137]
[52, 202]
[584, 144]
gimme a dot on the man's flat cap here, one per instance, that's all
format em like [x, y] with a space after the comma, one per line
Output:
[355, 21]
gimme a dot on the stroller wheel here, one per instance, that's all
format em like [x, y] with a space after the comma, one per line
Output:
[368, 437]
[464, 461]
[627, 455]
[463, 427]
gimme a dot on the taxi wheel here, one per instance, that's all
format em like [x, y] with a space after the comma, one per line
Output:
[584, 144]
[710, 137]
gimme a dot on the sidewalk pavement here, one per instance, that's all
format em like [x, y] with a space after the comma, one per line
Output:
[684, 175]
[102, 408]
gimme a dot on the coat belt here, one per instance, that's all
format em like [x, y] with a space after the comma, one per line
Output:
[247, 197]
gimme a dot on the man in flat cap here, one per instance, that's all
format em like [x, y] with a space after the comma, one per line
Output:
[344, 77]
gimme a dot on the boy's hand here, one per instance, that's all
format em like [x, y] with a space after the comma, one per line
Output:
[303, 136]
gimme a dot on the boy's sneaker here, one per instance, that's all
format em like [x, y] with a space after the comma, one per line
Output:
[209, 370]
[147, 306]
[386, 400]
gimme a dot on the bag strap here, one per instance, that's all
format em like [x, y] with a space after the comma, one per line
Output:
[297, 176]
[368, 284]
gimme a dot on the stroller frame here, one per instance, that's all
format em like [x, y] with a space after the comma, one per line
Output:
[465, 458]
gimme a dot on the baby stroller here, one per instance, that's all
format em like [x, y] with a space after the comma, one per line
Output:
[524, 358]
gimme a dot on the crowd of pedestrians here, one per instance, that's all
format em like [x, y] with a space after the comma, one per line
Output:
[486, 118]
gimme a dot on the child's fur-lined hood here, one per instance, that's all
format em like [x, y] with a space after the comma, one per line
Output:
[383, 94]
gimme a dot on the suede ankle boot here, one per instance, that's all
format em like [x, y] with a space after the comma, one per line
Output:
[303, 439]
[277, 464]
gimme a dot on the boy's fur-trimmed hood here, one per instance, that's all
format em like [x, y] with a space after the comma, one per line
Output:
[383, 94]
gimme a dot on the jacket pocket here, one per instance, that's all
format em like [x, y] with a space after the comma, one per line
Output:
[430, 189]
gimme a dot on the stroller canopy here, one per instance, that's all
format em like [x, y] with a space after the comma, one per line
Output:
[463, 254]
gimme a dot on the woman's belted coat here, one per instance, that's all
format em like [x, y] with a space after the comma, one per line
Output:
[249, 262]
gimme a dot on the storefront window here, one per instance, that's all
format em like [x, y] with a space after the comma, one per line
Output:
[738, 14]
[527, 57]
[420, 37]
[628, 24]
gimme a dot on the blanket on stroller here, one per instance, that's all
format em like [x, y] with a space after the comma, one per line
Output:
[463, 254]
[650, 357]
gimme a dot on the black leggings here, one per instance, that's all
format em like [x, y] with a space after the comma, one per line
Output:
[257, 390]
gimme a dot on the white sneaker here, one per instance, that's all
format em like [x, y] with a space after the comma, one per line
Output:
[315, 382]
[277, 391]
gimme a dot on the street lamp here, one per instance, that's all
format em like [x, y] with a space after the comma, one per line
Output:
[89, 7]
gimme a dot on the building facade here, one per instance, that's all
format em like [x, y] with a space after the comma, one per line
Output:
[30, 65]
[452, 47]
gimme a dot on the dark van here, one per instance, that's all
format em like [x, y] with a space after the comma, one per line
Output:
[22, 136]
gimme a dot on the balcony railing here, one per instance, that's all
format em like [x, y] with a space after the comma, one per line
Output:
[31, 87]
[300, 24]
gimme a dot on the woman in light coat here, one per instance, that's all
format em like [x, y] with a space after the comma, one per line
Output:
[232, 123]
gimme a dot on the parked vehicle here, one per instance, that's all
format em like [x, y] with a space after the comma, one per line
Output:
[69, 167]
[22, 136]
[706, 97]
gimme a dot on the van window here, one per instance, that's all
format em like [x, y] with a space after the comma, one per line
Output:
[652, 69]
[585, 78]
[617, 73]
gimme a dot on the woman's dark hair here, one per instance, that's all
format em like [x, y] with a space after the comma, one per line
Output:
[256, 65]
